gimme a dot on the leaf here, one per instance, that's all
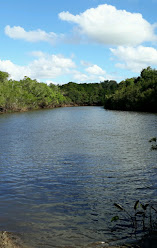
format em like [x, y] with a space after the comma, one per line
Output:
[115, 218]
[118, 206]
[140, 213]
[144, 206]
[154, 209]
[154, 147]
[136, 204]
[152, 139]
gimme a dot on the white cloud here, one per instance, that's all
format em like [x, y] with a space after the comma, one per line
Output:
[48, 82]
[101, 79]
[135, 58]
[80, 77]
[107, 25]
[66, 16]
[94, 73]
[15, 71]
[96, 70]
[18, 32]
[91, 78]
[44, 67]
[49, 67]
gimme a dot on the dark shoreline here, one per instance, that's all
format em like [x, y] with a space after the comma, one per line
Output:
[13, 240]
[7, 111]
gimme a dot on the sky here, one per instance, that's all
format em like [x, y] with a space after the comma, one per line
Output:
[83, 41]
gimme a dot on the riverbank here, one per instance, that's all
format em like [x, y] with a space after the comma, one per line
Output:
[10, 240]
[26, 109]
[21, 110]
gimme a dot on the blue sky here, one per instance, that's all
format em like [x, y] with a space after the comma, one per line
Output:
[81, 41]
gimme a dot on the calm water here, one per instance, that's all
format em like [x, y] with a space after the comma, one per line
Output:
[61, 170]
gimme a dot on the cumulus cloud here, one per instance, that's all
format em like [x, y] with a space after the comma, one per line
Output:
[51, 66]
[80, 77]
[44, 67]
[92, 73]
[96, 70]
[135, 58]
[18, 32]
[108, 25]
[15, 71]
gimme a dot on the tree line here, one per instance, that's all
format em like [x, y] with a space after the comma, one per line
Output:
[28, 94]
[138, 94]
[135, 94]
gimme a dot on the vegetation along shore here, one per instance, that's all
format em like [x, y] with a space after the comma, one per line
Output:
[135, 94]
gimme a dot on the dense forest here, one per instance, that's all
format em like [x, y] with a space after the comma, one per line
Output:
[29, 94]
[138, 94]
[88, 94]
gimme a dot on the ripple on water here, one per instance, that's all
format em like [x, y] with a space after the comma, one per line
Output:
[62, 170]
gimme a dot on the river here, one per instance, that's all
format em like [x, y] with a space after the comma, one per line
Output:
[62, 169]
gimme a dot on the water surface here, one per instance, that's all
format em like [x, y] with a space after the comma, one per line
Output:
[61, 170]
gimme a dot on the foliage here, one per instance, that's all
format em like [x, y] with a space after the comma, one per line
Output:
[154, 140]
[137, 94]
[141, 219]
[27, 94]
[3, 76]
[88, 94]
